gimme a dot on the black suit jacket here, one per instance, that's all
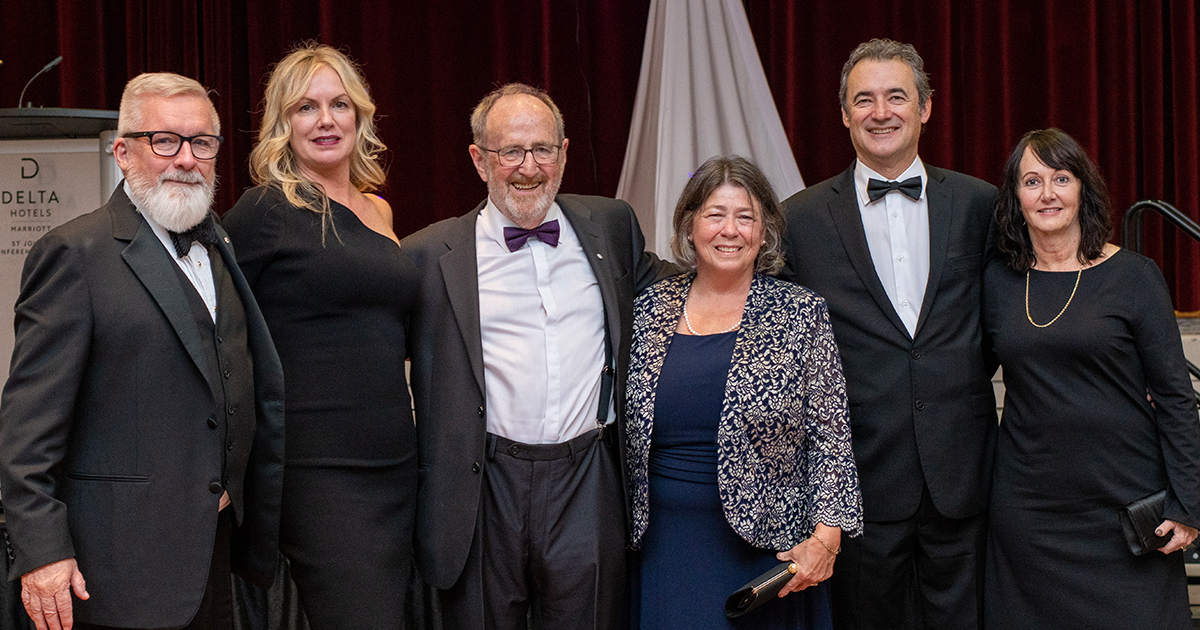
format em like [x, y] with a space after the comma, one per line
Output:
[447, 362]
[108, 450]
[922, 409]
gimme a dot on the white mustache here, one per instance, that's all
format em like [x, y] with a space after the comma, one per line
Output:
[184, 177]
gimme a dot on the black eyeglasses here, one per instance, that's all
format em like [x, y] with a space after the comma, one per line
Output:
[515, 156]
[168, 143]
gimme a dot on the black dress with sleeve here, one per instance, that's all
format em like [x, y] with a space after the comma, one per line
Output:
[336, 302]
[1079, 439]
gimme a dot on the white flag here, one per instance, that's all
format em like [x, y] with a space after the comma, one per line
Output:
[702, 92]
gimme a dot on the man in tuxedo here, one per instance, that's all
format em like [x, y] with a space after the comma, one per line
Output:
[142, 423]
[519, 348]
[897, 247]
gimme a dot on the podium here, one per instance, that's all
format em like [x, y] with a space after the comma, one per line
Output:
[55, 164]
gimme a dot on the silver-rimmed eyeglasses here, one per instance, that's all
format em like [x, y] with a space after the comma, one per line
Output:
[515, 156]
[168, 143]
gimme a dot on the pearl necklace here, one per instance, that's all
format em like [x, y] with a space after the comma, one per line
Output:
[688, 323]
[1027, 315]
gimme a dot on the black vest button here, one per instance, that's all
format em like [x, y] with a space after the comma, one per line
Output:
[215, 487]
[212, 422]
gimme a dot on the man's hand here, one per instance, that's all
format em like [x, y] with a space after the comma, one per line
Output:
[46, 593]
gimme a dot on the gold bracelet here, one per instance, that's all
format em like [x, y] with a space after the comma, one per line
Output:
[827, 548]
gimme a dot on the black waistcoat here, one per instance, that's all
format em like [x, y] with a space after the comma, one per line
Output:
[230, 372]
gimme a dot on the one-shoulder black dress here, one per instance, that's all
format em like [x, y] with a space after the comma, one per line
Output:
[1079, 439]
[336, 305]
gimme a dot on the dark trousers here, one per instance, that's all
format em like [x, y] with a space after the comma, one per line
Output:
[921, 572]
[549, 540]
[216, 608]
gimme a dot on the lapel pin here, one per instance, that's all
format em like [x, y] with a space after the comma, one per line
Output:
[600, 256]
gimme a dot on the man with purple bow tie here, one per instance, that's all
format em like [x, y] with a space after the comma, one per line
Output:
[519, 348]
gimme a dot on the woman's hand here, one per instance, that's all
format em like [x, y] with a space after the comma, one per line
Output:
[1183, 536]
[814, 558]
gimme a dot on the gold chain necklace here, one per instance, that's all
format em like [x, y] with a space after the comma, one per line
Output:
[1064, 308]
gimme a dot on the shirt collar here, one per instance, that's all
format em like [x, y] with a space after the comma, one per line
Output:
[494, 221]
[862, 173]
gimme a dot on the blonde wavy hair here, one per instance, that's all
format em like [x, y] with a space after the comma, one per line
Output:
[272, 162]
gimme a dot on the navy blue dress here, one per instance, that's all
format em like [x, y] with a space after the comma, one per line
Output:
[691, 558]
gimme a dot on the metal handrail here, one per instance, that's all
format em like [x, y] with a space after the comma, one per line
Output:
[1194, 371]
[1132, 224]
[1131, 237]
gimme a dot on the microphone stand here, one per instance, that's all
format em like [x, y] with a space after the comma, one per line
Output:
[48, 66]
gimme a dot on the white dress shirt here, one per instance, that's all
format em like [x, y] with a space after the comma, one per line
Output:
[897, 230]
[195, 264]
[542, 323]
[196, 267]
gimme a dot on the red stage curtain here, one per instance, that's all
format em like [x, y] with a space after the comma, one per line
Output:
[1119, 75]
[428, 63]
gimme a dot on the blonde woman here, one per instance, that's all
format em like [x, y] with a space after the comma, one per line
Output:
[324, 263]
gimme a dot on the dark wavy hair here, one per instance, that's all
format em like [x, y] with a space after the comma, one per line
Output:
[743, 173]
[1059, 151]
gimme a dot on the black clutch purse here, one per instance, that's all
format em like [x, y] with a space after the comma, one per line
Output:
[1139, 520]
[759, 590]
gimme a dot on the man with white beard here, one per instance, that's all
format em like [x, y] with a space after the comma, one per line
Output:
[142, 422]
[519, 346]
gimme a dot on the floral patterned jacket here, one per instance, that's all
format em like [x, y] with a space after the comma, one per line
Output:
[783, 442]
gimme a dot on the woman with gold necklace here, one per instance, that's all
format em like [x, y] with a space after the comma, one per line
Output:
[737, 422]
[1098, 409]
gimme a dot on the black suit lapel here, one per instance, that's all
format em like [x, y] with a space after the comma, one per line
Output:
[941, 206]
[151, 263]
[460, 273]
[848, 220]
[595, 247]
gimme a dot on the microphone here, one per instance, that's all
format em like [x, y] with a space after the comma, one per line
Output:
[21, 99]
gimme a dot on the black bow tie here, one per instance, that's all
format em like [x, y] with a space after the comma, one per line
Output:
[547, 233]
[205, 232]
[911, 187]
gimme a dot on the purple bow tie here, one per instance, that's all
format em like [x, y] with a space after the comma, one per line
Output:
[547, 233]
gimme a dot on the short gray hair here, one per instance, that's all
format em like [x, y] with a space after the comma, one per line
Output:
[480, 115]
[161, 85]
[887, 50]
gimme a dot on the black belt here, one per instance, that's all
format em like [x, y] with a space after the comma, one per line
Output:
[540, 452]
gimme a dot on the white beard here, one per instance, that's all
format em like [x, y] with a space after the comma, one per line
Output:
[522, 212]
[177, 208]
